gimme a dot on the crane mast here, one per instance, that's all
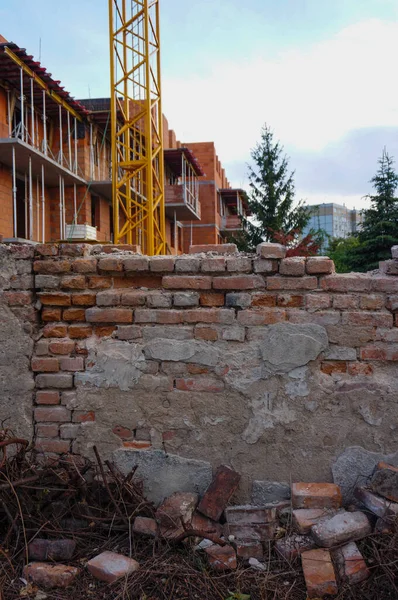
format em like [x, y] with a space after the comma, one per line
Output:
[136, 125]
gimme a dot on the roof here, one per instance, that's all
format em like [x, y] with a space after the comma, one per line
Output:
[173, 158]
[10, 72]
[230, 194]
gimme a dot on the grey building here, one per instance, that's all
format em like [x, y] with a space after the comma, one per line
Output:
[335, 219]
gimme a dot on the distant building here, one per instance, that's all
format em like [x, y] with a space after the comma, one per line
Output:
[335, 219]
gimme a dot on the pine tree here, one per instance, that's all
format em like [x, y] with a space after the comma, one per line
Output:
[271, 197]
[379, 231]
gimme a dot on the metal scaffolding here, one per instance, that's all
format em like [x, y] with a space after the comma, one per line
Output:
[136, 125]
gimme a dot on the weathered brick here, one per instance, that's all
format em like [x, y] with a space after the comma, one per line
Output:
[316, 495]
[209, 334]
[238, 282]
[200, 384]
[109, 315]
[47, 397]
[133, 298]
[370, 319]
[69, 431]
[104, 330]
[188, 282]
[261, 299]
[46, 249]
[293, 266]
[159, 300]
[233, 334]
[54, 414]
[215, 264]
[248, 515]
[261, 316]
[318, 301]
[62, 347]
[212, 299]
[74, 250]
[82, 416]
[219, 492]
[137, 444]
[346, 335]
[161, 264]
[319, 573]
[237, 300]
[249, 550]
[22, 282]
[50, 430]
[74, 314]
[346, 283]
[223, 316]
[108, 298]
[359, 369]
[385, 481]
[84, 265]
[73, 282]
[136, 263]
[304, 518]
[321, 317]
[48, 267]
[52, 445]
[110, 566]
[345, 301]
[187, 264]
[221, 558]
[21, 251]
[292, 546]
[72, 364]
[55, 299]
[41, 347]
[45, 365]
[289, 283]
[290, 300]
[371, 302]
[171, 317]
[51, 314]
[377, 505]
[56, 330]
[239, 264]
[110, 264]
[269, 250]
[96, 282]
[49, 282]
[341, 528]
[179, 332]
[350, 564]
[256, 532]
[79, 332]
[216, 248]
[145, 526]
[186, 299]
[18, 298]
[57, 380]
[333, 366]
[392, 303]
[385, 284]
[319, 265]
[261, 265]
[86, 299]
[128, 332]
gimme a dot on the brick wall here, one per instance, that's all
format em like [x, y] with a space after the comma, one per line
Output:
[269, 364]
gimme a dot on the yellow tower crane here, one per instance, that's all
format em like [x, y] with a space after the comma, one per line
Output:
[136, 125]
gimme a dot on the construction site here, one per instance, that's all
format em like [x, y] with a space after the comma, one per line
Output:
[179, 419]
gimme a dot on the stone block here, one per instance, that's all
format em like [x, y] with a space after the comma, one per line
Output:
[41, 549]
[48, 576]
[340, 353]
[111, 566]
[273, 251]
[316, 495]
[385, 481]
[292, 546]
[376, 504]
[264, 492]
[145, 526]
[319, 573]
[218, 494]
[249, 515]
[305, 518]
[350, 564]
[193, 351]
[341, 528]
[221, 558]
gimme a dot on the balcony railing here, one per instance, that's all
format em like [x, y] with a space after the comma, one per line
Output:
[231, 223]
[182, 202]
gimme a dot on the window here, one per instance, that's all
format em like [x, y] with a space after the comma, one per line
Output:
[95, 211]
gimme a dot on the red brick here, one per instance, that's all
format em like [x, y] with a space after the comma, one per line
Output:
[371, 319]
[290, 300]
[104, 330]
[319, 573]
[45, 365]
[210, 334]
[122, 432]
[47, 397]
[256, 532]
[186, 282]
[271, 250]
[51, 314]
[18, 298]
[81, 416]
[73, 282]
[145, 526]
[250, 515]
[345, 301]
[109, 566]
[85, 299]
[74, 314]
[79, 332]
[250, 550]
[133, 298]
[47, 431]
[319, 265]
[64, 347]
[316, 495]
[304, 518]
[72, 364]
[379, 352]
[221, 558]
[51, 266]
[333, 366]
[360, 369]
[136, 263]
[138, 281]
[50, 445]
[261, 299]
[219, 492]
[385, 481]
[69, 249]
[293, 266]
[350, 564]
[318, 301]
[261, 316]
[55, 299]
[56, 331]
[214, 264]
[84, 265]
[385, 284]
[96, 282]
[200, 384]
[209, 299]
[288, 283]
[238, 282]
[46, 249]
[346, 283]
[109, 315]
[216, 248]
[110, 264]
[224, 316]
[137, 444]
[371, 302]
[58, 414]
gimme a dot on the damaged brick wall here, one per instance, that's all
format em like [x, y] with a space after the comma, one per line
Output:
[273, 365]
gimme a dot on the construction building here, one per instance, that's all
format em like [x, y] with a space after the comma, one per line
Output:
[56, 172]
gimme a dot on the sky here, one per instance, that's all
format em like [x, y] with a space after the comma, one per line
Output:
[320, 73]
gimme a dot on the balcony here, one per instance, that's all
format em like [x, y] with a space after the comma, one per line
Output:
[182, 186]
[181, 203]
[231, 223]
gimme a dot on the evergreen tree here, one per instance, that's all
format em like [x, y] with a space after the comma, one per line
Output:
[379, 231]
[271, 197]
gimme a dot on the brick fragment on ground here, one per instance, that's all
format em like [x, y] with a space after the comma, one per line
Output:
[340, 528]
[292, 546]
[201, 523]
[221, 558]
[247, 514]
[257, 532]
[48, 576]
[41, 549]
[145, 526]
[319, 573]
[378, 505]
[247, 550]
[219, 492]
[110, 566]
[304, 518]
[350, 564]
[316, 495]
[385, 481]
[176, 508]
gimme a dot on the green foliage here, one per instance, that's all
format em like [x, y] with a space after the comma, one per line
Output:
[339, 250]
[379, 230]
[237, 596]
[271, 197]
